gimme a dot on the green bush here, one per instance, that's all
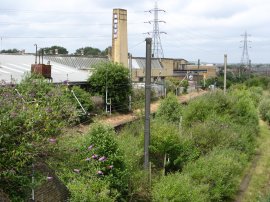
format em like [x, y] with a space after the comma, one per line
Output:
[200, 109]
[30, 116]
[93, 159]
[129, 140]
[168, 145]
[169, 109]
[180, 188]
[214, 132]
[220, 171]
[114, 77]
[222, 133]
[258, 81]
[264, 109]
[243, 110]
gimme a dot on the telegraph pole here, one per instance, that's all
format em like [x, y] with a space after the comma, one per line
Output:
[147, 103]
[225, 72]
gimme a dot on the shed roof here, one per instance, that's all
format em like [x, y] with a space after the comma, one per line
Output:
[16, 66]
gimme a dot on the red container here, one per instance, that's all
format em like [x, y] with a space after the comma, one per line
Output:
[44, 70]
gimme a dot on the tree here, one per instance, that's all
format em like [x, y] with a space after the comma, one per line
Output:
[114, 78]
[52, 50]
[88, 51]
[14, 50]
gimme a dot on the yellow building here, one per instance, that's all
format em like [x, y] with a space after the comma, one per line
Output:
[170, 67]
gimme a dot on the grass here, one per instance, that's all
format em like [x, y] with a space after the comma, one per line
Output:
[259, 186]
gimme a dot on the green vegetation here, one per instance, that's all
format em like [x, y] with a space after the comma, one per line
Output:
[32, 115]
[52, 50]
[90, 51]
[169, 109]
[114, 78]
[200, 157]
[14, 50]
[258, 189]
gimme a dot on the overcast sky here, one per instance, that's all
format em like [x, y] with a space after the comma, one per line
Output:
[196, 29]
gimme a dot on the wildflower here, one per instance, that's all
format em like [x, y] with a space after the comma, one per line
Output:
[88, 159]
[102, 159]
[110, 167]
[90, 147]
[52, 140]
[76, 170]
[99, 172]
[94, 156]
[49, 178]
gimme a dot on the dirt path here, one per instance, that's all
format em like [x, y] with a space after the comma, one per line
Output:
[117, 120]
[255, 185]
[246, 180]
[120, 119]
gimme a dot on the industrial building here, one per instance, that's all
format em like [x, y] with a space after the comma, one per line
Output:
[77, 69]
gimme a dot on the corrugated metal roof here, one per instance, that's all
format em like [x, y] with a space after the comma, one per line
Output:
[16, 66]
[77, 62]
[139, 63]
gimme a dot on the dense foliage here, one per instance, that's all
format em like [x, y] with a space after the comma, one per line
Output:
[31, 113]
[200, 158]
[90, 51]
[94, 168]
[169, 109]
[114, 78]
[52, 50]
[210, 150]
[14, 50]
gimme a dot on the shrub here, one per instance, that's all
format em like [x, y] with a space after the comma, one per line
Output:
[102, 138]
[27, 121]
[180, 188]
[220, 170]
[264, 109]
[168, 145]
[169, 109]
[95, 159]
[243, 110]
[201, 108]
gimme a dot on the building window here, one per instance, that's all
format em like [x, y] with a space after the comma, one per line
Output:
[140, 79]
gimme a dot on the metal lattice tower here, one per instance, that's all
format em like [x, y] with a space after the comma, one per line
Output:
[157, 50]
[245, 57]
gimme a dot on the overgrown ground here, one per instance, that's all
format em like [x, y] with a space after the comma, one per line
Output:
[259, 186]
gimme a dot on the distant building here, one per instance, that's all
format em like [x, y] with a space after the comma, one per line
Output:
[170, 67]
